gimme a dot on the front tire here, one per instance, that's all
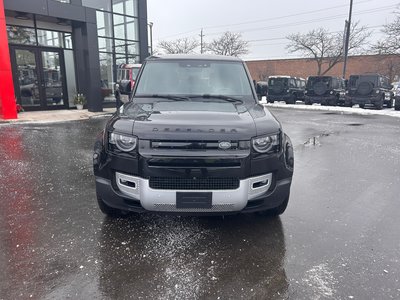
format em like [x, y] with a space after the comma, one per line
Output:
[379, 104]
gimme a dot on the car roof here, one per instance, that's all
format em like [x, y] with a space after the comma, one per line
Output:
[194, 57]
[129, 66]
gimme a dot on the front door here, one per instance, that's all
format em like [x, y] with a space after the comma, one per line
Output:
[39, 77]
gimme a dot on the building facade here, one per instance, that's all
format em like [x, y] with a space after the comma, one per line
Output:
[59, 48]
[388, 65]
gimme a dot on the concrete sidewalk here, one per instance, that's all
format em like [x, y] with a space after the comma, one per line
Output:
[51, 116]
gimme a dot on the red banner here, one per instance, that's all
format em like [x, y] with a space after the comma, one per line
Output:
[8, 108]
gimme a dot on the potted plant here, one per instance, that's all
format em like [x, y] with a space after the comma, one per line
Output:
[79, 101]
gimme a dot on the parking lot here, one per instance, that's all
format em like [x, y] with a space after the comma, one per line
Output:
[338, 238]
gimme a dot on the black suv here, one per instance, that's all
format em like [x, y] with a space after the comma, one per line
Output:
[261, 89]
[372, 89]
[193, 139]
[326, 90]
[285, 88]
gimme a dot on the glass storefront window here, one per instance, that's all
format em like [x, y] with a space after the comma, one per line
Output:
[104, 24]
[67, 41]
[98, 4]
[125, 7]
[21, 35]
[132, 29]
[125, 28]
[70, 75]
[50, 38]
[105, 44]
[132, 48]
[107, 76]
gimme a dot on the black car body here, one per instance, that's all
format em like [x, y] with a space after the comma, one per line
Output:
[194, 142]
[261, 89]
[326, 90]
[285, 88]
[372, 89]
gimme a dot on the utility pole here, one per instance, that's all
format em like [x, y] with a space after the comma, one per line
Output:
[201, 41]
[346, 44]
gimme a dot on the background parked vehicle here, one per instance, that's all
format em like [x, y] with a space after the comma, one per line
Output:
[126, 76]
[261, 89]
[397, 99]
[326, 90]
[369, 89]
[285, 88]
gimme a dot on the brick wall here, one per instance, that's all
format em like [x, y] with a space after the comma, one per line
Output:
[388, 65]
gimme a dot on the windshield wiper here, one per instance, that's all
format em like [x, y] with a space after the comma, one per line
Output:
[222, 97]
[170, 97]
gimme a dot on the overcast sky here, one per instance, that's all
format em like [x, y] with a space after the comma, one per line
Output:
[265, 24]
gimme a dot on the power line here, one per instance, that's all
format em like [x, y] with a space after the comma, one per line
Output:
[262, 20]
[333, 17]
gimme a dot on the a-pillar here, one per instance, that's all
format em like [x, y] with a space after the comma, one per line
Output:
[8, 108]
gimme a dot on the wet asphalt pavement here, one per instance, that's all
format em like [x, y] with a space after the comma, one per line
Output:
[338, 239]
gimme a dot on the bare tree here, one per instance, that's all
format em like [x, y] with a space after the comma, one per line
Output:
[178, 46]
[230, 44]
[390, 44]
[326, 48]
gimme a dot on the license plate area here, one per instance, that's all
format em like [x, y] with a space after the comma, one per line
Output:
[193, 200]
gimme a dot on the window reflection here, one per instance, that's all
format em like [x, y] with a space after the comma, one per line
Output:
[98, 4]
[104, 24]
[125, 7]
[21, 35]
[50, 38]
[107, 77]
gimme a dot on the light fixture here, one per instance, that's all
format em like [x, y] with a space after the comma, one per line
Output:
[22, 16]
[62, 22]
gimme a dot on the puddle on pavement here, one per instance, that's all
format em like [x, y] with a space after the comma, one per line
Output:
[355, 124]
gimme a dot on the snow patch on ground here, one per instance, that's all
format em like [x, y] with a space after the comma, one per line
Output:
[340, 109]
[321, 280]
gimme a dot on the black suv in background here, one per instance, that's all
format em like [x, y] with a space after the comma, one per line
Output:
[261, 89]
[327, 90]
[372, 89]
[285, 88]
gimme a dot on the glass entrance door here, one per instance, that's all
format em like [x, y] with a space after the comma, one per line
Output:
[39, 78]
[26, 79]
[52, 78]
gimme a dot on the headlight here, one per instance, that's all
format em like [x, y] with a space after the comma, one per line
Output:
[266, 143]
[124, 143]
[331, 92]
[377, 92]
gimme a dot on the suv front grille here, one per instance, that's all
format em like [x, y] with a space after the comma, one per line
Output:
[192, 145]
[176, 183]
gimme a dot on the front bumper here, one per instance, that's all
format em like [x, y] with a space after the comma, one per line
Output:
[134, 194]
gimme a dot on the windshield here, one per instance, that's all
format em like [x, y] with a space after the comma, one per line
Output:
[357, 79]
[194, 77]
[324, 79]
[278, 81]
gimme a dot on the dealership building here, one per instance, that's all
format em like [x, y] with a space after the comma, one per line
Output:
[52, 50]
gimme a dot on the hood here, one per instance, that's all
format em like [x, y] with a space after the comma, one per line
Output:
[193, 120]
